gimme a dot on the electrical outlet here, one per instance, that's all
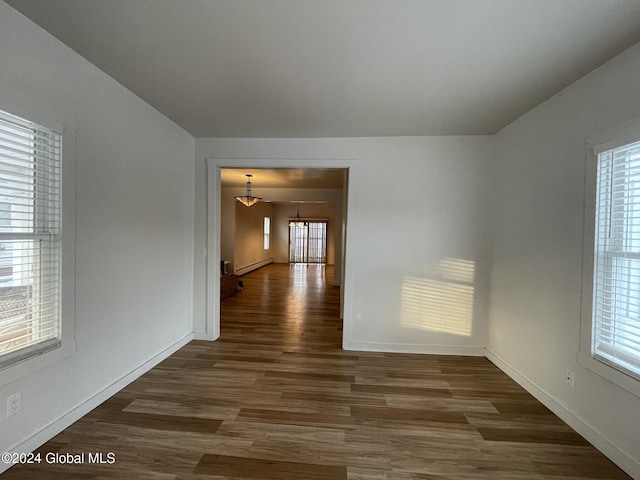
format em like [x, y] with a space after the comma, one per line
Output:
[569, 378]
[499, 334]
[14, 404]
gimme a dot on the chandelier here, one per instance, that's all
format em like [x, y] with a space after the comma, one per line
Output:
[297, 222]
[248, 199]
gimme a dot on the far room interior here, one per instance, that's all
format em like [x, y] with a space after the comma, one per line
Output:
[289, 199]
[311, 194]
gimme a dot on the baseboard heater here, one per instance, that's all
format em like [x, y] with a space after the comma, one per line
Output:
[253, 266]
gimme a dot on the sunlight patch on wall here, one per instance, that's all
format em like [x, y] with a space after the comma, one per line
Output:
[457, 270]
[441, 304]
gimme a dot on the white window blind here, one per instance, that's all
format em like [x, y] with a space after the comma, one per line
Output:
[29, 239]
[616, 285]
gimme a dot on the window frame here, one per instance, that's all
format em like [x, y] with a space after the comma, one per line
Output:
[307, 240]
[266, 230]
[614, 138]
[67, 128]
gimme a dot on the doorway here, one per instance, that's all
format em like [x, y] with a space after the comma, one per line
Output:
[305, 168]
[308, 242]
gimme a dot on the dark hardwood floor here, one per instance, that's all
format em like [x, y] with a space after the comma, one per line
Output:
[276, 399]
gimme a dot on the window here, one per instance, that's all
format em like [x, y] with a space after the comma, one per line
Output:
[307, 242]
[30, 320]
[615, 328]
[267, 232]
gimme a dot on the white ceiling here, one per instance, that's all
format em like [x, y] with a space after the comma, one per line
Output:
[325, 68]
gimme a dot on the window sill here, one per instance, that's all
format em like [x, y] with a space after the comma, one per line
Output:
[30, 365]
[628, 383]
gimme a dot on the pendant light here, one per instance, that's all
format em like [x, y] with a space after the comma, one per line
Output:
[248, 199]
[297, 222]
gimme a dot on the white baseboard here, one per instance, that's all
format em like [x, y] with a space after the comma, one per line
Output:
[471, 350]
[76, 413]
[616, 455]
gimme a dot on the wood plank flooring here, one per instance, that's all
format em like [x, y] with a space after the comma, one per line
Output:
[277, 399]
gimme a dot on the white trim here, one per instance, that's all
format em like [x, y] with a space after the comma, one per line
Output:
[76, 413]
[467, 350]
[612, 138]
[619, 457]
[618, 136]
[68, 127]
[33, 114]
[615, 376]
[201, 336]
[212, 274]
[213, 215]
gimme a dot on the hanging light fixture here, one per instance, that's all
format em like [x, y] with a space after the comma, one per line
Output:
[248, 199]
[297, 222]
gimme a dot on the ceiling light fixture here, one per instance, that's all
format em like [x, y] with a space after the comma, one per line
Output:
[297, 222]
[248, 199]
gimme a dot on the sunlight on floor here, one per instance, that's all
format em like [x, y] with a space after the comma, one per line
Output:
[304, 278]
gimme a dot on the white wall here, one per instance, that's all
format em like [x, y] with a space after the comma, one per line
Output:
[537, 254]
[414, 202]
[133, 229]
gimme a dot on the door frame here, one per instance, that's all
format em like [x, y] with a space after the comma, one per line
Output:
[213, 192]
